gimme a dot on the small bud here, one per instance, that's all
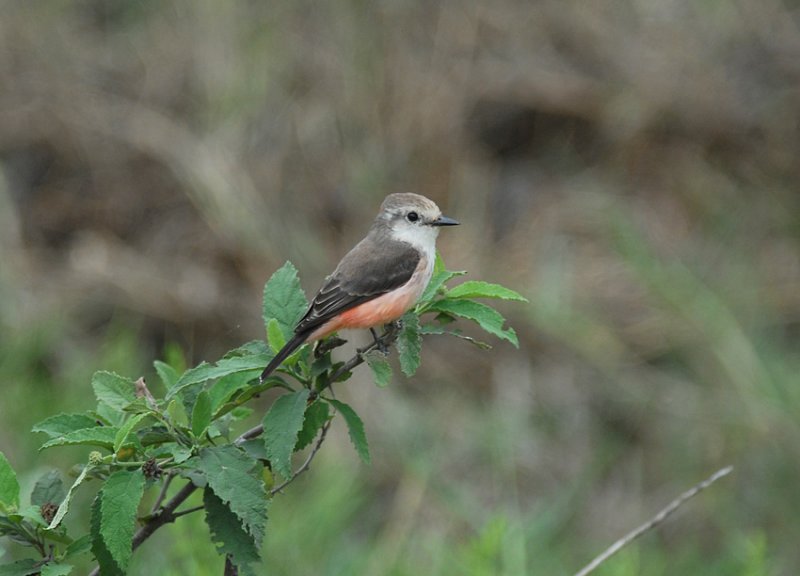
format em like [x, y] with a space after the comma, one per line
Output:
[151, 469]
[48, 511]
[95, 458]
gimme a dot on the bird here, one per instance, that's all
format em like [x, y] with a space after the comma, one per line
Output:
[379, 279]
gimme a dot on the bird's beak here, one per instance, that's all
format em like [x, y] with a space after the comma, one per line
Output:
[445, 221]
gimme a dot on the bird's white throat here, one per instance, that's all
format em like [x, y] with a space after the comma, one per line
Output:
[423, 238]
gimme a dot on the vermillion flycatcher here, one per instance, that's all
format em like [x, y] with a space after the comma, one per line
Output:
[380, 278]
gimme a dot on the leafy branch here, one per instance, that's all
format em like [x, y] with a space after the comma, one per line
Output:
[142, 442]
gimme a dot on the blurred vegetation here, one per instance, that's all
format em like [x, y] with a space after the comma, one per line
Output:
[632, 168]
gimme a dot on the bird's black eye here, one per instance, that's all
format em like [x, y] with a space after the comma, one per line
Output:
[412, 216]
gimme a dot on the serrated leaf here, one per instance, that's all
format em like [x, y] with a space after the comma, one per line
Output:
[167, 374]
[438, 279]
[314, 419]
[49, 489]
[409, 344]
[252, 348]
[79, 546]
[381, 369]
[284, 299]
[479, 289]
[24, 567]
[103, 436]
[201, 415]
[56, 569]
[235, 478]
[9, 485]
[177, 413]
[108, 566]
[281, 426]
[223, 389]
[229, 535]
[113, 390]
[61, 424]
[178, 452]
[122, 434]
[275, 335]
[31, 513]
[119, 499]
[486, 317]
[355, 428]
[63, 508]
[205, 372]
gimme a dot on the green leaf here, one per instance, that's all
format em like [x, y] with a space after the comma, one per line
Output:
[281, 426]
[56, 569]
[315, 417]
[167, 374]
[487, 318]
[32, 514]
[381, 369]
[113, 390]
[119, 499]
[235, 478]
[20, 568]
[275, 335]
[440, 276]
[9, 486]
[178, 452]
[79, 546]
[252, 348]
[61, 424]
[108, 566]
[205, 372]
[201, 415]
[284, 299]
[49, 489]
[229, 535]
[409, 344]
[121, 436]
[223, 389]
[478, 289]
[103, 436]
[63, 508]
[355, 427]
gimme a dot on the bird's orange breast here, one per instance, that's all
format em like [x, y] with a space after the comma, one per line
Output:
[381, 310]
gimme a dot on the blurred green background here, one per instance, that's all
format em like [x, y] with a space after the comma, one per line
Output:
[631, 167]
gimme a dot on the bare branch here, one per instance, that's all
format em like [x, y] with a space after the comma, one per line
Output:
[654, 521]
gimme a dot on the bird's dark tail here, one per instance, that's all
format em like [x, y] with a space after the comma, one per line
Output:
[293, 344]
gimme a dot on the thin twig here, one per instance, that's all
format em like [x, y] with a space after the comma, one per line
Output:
[305, 465]
[187, 511]
[654, 521]
[163, 493]
[386, 339]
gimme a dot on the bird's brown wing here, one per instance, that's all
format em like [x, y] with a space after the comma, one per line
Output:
[364, 273]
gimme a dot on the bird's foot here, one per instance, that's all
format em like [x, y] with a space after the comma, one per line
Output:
[328, 344]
